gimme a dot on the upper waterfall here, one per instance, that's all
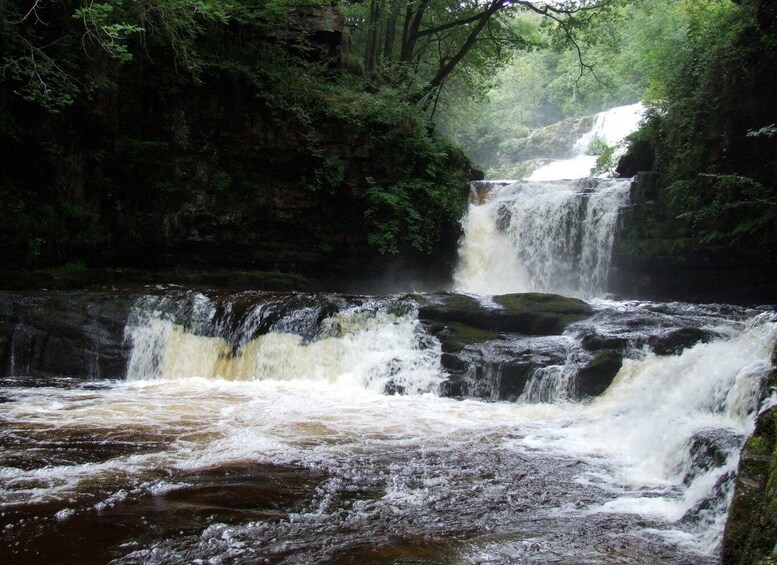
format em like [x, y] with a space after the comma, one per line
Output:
[610, 127]
[552, 232]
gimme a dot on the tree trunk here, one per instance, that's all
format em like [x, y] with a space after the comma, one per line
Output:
[370, 48]
[408, 47]
[391, 30]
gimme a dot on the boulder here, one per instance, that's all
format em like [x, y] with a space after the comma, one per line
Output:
[596, 375]
[709, 449]
[598, 342]
[525, 314]
[675, 341]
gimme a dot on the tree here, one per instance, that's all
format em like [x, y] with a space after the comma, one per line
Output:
[439, 37]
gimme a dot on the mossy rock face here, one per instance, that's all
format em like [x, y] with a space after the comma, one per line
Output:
[751, 529]
[526, 314]
[455, 337]
[596, 375]
[535, 302]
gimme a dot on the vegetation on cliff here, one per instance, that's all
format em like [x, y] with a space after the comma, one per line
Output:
[208, 133]
[711, 136]
[238, 134]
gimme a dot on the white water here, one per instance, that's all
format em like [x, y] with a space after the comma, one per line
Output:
[553, 236]
[436, 466]
[610, 127]
[549, 233]
[356, 348]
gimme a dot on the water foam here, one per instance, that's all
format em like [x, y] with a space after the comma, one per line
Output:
[359, 347]
[610, 127]
[548, 237]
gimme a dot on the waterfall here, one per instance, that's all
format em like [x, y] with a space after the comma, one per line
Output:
[610, 128]
[449, 428]
[259, 338]
[551, 232]
[553, 236]
[310, 428]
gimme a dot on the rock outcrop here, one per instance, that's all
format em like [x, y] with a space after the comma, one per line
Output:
[751, 529]
[70, 334]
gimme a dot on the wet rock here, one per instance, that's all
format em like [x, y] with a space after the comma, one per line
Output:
[498, 370]
[598, 342]
[456, 337]
[709, 449]
[676, 341]
[751, 528]
[71, 334]
[596, 375]
[712, 505]
[526, 314]
[497, 381]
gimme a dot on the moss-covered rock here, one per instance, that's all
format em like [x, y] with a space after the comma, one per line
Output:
[526, 314]
[751, 530]
[455, 337]
[547, 312]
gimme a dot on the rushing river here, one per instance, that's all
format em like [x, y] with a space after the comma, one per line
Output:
[286, 447]
[266, 428]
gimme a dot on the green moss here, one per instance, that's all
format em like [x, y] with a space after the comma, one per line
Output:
[757, 444]
[594, 378]
[458, 336]
[572, 309]
[460, 302]
[751, 530]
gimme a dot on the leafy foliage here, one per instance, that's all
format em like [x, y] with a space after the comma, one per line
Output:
[711, 127]
[148, 110]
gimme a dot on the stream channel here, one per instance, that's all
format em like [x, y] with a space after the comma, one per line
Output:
[480, 426]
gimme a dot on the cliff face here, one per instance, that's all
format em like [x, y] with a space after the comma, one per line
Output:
[654, 258]
[267, 169]
[703, 221]
[751, 529]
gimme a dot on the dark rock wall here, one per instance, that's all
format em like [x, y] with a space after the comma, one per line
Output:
[654, 259]
[75, 334]
[229, 173]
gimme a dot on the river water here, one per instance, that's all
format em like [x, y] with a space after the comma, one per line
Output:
[285, 428]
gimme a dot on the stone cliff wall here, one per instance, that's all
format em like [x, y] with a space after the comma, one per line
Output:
[254, 170]
[76, 334]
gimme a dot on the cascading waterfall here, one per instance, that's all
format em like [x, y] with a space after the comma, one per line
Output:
[331, 401]
[296, 386]
[359, 344]
[546, 233]
[553, 236]
[610, 128]
[297, 428]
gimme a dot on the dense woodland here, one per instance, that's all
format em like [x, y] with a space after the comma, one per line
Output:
[333, 138]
